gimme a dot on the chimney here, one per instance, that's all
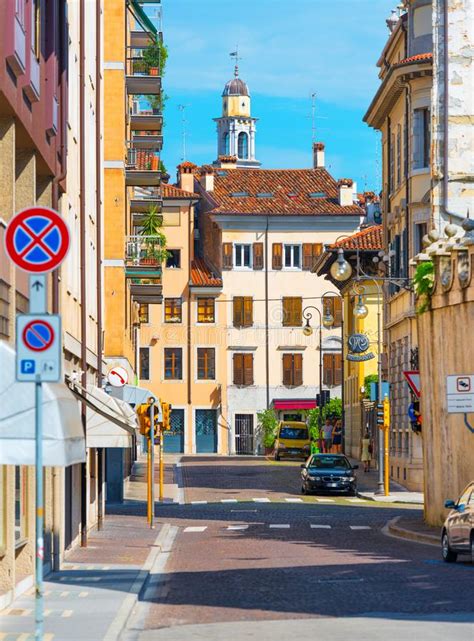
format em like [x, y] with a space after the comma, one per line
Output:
[207, 177]
[227, 162]
[186, 176]
[318, 155]
[345, 192]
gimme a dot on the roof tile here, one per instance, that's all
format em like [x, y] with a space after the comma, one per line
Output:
[370, 238]
[202, 275]
[171, 191]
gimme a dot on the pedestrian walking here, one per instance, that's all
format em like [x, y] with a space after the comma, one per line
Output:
[327, 436]
[337, 437]
[366, 454]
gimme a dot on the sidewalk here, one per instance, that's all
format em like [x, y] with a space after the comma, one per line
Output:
[368, 484]
[93, 594]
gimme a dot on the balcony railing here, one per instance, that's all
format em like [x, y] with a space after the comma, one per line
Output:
[142, 78]
[142, 167]
[143, 259]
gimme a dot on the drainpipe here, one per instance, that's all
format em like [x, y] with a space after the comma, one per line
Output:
[83, 230]
[267, 346]
[446, 109]
[188, 329]
[98, 224]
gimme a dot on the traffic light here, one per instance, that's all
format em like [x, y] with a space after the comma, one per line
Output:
[380, 415]
[143, 419]
[386, 412]
[166, 409]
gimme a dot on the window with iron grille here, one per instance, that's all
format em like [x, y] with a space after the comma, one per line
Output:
[173, 310]
[206, 363]
[206, 310]
[173, 363]
[4, 309]
[292, 370]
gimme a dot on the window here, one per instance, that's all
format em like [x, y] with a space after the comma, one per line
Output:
[399, 154]
[292, 311]
[243, 311]
[206, 310]
[421, 229]
[227, 262]
[333, 305]
[392, 163]
[173, 363]
[144, 313]
[332, 369]
[206, 363]
[20, 11]
[243, 369]
[174, 259]
[311, 251]
[35, 28]
[242, 257]
[226, 144]
[277, 256]
[243, 146]
[293, 256]
[21, 504]
[421, 138]
[145, 363]
[4, 309]
[292, 370]
[258, 255]
[173, 310]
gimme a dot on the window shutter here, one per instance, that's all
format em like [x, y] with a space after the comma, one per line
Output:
[258, 255]
[287, 369]
[317, 251]
[297, 369]
[338, 369]
[337, 311]
[307, 256]
[238, 311]
[277, 256]
[238, 369]
[248, 311]
[248, 369]
[227, 256]
[327, 370]
[297, 311]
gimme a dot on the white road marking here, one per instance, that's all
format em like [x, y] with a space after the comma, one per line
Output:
[195, 528]
[237, 527]
[229, 501]
[360, 527]
[280, 526]
[64, 594]
[356, 500]
[294, 500]
[320, 527]
[82, 595]
[325, 500]
[66, 614]
[261, 500]
[198, 502]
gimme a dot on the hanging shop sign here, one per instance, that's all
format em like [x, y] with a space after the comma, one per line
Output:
[358, 345]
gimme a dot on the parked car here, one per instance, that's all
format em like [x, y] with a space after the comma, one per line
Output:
[292, 440]
[457, 536]
[328, 473]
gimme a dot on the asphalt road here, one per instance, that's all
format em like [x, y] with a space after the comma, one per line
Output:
[250, 561]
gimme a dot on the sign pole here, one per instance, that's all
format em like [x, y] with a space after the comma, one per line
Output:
[161, 464]
[39, 552]
[152, 463]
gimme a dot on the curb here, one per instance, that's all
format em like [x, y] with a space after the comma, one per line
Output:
[361, 495]
[393, 529]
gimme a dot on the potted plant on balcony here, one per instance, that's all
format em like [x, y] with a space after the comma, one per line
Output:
[154, 57]
[155, 251]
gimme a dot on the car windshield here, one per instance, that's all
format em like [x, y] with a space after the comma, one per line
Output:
[295, 433]
[327, 462]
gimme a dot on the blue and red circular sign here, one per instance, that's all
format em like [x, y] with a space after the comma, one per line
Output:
[38, 335]
[37, 239]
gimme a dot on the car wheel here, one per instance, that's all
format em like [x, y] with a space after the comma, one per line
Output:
[448, 555]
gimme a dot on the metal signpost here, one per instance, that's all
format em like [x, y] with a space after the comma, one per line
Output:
[37, 241]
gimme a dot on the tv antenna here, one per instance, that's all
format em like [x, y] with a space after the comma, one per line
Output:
[313, 117]
[184, 122]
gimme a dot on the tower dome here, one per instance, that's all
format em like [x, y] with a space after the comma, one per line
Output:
[236, 87]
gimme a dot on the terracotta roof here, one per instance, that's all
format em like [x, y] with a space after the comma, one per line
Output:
[171, 191]
[146, 160]
[417, 58]
[279, 192]
[370, 238]
[202, 275]
[186, 164]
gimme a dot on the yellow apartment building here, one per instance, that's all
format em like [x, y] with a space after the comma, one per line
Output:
[401, 111]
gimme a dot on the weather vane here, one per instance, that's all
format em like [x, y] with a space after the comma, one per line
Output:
[235, 55]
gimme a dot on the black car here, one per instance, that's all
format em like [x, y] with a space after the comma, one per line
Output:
[457, 535]
[328, 473]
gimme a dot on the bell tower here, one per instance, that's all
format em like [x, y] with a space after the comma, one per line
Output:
[236, 128]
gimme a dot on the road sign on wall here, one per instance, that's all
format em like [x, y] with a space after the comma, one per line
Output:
[413, 380]
[460, 394]
[37, 240]
[38, 348]
[117, 376]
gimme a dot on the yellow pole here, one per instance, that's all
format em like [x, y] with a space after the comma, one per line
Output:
[148, 480]
[161, 463]
[386, 461]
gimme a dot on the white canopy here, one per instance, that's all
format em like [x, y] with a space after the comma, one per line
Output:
[63, 437]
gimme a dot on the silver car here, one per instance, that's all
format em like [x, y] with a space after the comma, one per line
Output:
[457, 536]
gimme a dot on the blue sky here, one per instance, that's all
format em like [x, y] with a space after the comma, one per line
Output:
[289, 50]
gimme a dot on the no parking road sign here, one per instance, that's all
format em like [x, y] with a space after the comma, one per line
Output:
[38, 348]
[37, 240]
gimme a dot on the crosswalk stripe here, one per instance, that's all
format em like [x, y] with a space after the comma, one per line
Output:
[294, 500]
[360, 527]
[229, 501]
[261, 500]
[195, 528]
[237, 527]
[325, 500]
[315, 526]
[82, 595]
[66, 614]
[280, 526]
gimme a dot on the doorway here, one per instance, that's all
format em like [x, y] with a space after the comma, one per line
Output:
[174, 438]
[206, 431]
[244, 437]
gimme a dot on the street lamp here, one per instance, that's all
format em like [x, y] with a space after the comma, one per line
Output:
[341, 269]
[360, 310]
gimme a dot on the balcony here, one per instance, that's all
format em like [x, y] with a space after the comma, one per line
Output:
[143, 259]
[148, 141]
[150, 120]
[142, 78]
[147, 293]
[142, 39]
[142, 168]
[142, 203]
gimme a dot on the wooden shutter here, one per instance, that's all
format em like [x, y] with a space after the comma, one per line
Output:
[287, 369]
[307, 256]
[277, 255]
[297, 369]
[292, 311]
[258, 255]
[337, 369]
[337, 311]
[317, 251]
[248, 369]
[297, 311]
[286, 321]
[247, 311]
[238, 369]
[238, 311]
[327, 370]
[227, 256]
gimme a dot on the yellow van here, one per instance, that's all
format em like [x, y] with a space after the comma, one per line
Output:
[292, 440]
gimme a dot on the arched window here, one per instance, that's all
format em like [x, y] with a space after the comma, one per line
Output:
[226, 144]
[243, 146]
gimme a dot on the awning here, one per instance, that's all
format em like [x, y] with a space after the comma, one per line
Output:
[142, 19]
[294, 404]
[63, 438]
[110, 421]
